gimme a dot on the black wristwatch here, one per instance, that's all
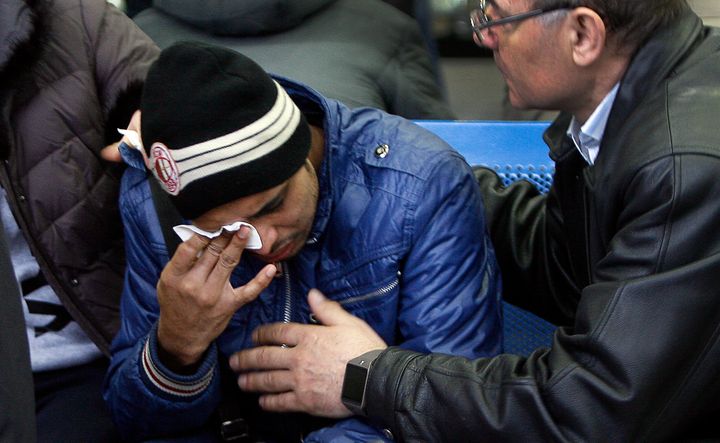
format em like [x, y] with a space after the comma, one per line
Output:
[355, 381]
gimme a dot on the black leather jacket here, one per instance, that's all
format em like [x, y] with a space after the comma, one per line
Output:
[624, 255]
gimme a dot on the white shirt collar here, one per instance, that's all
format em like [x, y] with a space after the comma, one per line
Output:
[587, 138]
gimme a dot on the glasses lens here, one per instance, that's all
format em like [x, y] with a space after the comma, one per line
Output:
[475, 18]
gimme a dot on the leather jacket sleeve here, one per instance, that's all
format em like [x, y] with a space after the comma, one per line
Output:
[641, 359]
[526, 229]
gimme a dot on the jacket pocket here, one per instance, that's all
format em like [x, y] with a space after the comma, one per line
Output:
[382, 291]
[377, 303]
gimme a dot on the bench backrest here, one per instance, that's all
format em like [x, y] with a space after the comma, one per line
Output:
[517, 152]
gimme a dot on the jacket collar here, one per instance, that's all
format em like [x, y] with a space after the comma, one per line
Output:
[309, 100]
[650, 66]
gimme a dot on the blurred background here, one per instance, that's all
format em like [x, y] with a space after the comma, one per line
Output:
[472, 85]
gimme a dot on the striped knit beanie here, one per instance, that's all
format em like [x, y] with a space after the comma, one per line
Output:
[216, 127]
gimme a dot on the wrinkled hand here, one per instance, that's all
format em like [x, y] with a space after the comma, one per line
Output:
[196, 298]
[307, 374]
[111, 152]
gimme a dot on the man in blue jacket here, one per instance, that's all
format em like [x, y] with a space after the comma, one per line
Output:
[370, 209]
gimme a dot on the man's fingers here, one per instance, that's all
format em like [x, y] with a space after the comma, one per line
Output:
[263, 357]
[135, 122]
[225, 253]
[187, 254]
[266, 381]
[327, 312]
[279, 334]
[111, 153]
[249, 292]
[213, 251]
[283, 402]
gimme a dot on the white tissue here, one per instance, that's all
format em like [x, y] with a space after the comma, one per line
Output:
[132, 137]
[187, 231]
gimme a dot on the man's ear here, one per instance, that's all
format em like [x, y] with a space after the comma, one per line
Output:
[588, 36]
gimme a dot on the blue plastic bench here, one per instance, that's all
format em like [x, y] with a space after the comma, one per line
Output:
[516, 151]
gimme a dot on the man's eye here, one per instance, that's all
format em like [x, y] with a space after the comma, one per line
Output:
[277, 205]
[274, 206]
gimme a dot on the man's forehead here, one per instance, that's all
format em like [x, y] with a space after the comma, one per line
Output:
[509, 5]
[501, 5]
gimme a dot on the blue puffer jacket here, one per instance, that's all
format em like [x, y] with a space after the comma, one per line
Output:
[399, 239]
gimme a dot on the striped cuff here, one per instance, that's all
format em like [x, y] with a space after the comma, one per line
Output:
[173, 384]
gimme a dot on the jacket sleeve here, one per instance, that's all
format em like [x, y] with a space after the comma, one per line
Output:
[171, 403]
[123, 55]
[527, 229]
[450, 286]
[642, 356]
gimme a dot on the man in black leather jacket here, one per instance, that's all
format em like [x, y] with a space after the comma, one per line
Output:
[623, 252]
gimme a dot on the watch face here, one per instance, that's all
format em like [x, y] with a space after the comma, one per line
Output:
[354, 383]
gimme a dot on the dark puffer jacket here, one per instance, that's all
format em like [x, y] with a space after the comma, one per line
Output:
[362, 53]
[70, 73]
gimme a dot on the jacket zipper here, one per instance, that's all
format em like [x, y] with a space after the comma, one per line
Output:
[376, 293]
[587, 234]
[287, 312]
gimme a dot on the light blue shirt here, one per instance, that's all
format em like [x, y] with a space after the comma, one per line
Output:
[67, 347]
[587, 137]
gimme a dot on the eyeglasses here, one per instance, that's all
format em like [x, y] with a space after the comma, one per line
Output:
[481, 22]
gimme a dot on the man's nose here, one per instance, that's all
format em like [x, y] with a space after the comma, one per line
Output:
[268, 236]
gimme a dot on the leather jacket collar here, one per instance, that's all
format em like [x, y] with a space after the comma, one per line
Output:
[651, 65]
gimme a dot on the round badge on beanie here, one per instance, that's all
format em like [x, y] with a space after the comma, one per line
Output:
[216, 127]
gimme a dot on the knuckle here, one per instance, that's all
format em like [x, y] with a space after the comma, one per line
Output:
[186, 287]
[248, 382]
[267, 402]
[262, 356]
[279, 333]
[265, 334]
[229, 261]
[268, 379]
[269, 334]
[204, 302]
[276, 403]
[214, 249]
[184, 248]
[191, 246]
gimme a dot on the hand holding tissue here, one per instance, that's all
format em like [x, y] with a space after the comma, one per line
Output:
[187, 231]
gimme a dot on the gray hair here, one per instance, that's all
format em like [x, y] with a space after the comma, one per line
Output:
[633, 21]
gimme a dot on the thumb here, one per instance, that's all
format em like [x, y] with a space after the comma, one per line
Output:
[327, 312]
